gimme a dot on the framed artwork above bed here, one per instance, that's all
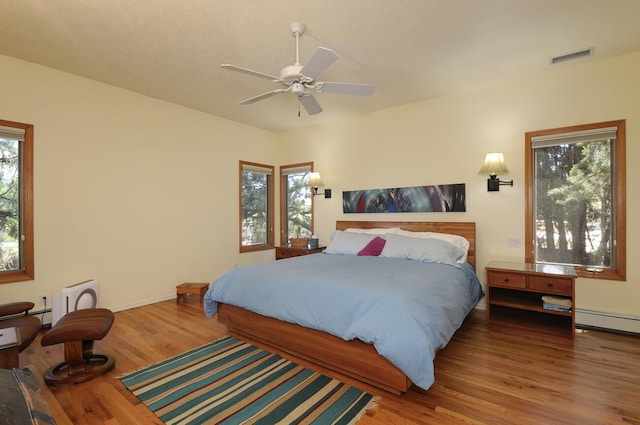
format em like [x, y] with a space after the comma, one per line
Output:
[435, 198]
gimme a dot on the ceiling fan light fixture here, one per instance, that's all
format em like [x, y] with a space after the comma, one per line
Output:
[298, 89]
[301, 78]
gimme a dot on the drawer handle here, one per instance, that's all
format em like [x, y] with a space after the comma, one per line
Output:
[549, 285]
[506, 279]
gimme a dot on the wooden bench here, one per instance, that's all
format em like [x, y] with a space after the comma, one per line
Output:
[191, 288]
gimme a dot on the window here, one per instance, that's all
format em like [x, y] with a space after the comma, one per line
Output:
[256, 206]
[576, 191]
[296, 203]
[16, 202]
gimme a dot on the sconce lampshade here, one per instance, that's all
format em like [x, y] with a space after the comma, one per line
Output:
[315, 180]
[494, 164]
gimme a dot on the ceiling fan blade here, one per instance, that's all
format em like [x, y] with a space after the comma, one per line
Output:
[248, 71]
[310, 104]
[262, 96]
[319, 62]
[346, 88]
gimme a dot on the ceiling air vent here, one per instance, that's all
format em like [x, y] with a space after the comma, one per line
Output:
[572, 56]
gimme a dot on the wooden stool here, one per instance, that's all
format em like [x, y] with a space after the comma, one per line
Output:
[192, 288]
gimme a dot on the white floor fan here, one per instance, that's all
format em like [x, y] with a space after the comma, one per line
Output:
[299, 78]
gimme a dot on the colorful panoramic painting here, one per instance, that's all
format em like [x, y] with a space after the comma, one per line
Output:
[437, 198]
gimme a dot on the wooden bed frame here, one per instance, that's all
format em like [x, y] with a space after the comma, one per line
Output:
[354, 358]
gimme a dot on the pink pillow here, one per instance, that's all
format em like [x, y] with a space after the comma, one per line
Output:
[373, 248]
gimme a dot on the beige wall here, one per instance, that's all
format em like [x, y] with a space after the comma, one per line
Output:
[129, 190]
[444, 140]
[134, 191]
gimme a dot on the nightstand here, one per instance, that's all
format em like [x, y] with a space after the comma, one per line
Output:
[514, 299]
[290, 251]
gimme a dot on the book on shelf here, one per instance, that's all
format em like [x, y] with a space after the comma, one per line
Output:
[554, 307]
[557, 301]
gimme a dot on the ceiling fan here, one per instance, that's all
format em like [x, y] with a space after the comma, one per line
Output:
[299, 78]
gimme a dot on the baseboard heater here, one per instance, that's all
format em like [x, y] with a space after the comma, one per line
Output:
[609, 321]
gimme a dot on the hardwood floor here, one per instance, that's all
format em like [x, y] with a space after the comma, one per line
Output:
[481, 377]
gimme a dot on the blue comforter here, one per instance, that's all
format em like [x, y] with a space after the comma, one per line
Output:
[406, 309]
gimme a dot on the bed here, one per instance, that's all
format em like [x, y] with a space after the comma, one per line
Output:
[371, 347]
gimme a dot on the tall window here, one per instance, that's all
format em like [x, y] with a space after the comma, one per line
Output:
[16, 202]
[576, 204]
[296, 206]
[256, 206]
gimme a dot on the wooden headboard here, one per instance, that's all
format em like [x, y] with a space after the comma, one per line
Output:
[465, 229]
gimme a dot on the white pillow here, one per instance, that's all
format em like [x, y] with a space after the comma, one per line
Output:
[376, 231]
[348, 243]
[456, 240]
[428, 250]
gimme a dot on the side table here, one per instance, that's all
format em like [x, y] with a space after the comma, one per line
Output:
[191, 288]
[291, 251]
[9, 343]
[514, 299]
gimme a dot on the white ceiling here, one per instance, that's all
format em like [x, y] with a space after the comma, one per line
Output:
[411, 50]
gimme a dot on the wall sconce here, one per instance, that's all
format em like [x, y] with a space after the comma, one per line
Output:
[494, 164]
[314, 182]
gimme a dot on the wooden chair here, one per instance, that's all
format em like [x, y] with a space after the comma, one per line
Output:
[15, 315]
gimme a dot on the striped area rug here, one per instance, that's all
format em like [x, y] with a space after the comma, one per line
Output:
[232, 382]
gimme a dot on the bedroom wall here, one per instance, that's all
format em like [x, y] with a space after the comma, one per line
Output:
[129, 190]
[444, 140]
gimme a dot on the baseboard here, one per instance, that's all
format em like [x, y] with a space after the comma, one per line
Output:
[143, 303]
[611, 321]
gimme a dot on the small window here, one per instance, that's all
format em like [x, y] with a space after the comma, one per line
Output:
[256, 206]
[296, 203]
[16, 202]
[576, 198]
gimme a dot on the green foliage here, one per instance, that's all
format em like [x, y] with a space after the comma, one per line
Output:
[298, 205]
[574, 203]
[9, 202]
[255, 219]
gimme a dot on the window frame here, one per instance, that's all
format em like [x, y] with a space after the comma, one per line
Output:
[27, 269]
[284, 210]
[619, 271]
[270, 208]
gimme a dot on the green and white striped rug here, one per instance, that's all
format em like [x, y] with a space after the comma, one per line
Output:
[232, 382]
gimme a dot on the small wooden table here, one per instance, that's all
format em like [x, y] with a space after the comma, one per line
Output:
[9, 343]
[514, 299]
[191, 288]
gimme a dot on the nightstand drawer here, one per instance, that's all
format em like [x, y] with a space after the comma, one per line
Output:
[283, 252]
[551, 285]
[510, 280]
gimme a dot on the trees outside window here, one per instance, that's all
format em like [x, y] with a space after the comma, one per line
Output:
[16, 202]
[296, 202]
[256, 206]
[576, 209]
